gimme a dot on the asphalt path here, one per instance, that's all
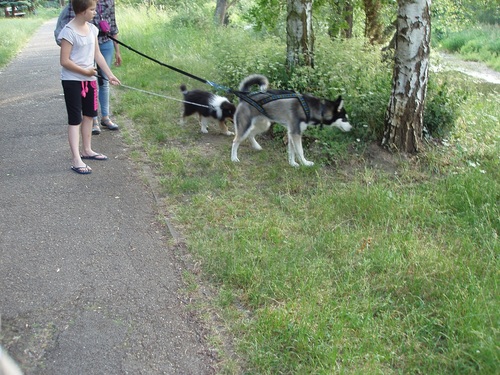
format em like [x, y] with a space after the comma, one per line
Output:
[88, 282]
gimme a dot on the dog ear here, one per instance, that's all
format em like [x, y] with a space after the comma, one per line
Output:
[341, 103]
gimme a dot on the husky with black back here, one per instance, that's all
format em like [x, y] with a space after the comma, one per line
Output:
[296, 112]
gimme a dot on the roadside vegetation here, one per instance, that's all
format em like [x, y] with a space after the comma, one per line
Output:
[470, 28]
[15, 32]
[366, 263]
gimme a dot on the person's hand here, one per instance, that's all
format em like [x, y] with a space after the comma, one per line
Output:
[118, 59]
[91, 72]
[114, 81]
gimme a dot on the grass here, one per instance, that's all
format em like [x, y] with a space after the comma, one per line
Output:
[365, 263]
[16, 32]
[362, 266]
[476, 44]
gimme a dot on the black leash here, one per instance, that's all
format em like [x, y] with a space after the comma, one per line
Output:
[213, 84]
[240, 94]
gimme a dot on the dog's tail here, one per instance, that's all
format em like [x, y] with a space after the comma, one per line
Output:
[183, 89]
[254, 79]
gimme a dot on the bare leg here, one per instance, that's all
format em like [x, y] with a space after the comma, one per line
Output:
[86, 130]
[74, 145]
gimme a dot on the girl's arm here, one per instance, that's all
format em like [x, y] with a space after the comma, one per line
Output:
[65, 61]
[101, 61]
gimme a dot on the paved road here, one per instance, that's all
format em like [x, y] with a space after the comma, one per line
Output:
[88, 284]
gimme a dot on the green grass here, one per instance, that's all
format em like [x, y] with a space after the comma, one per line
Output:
[476, 44]
[15, 32]
[365, 263]
[357, 266]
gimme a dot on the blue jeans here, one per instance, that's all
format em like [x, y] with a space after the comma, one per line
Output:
[107, 50]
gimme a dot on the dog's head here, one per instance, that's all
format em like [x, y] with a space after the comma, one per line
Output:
[334, 114]
[228, 110]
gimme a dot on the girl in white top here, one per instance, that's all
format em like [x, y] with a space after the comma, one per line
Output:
[79, 53]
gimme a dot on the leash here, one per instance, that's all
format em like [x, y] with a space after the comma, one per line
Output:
[213, 84]
[155, 94]
[163, 96]
[240, 94]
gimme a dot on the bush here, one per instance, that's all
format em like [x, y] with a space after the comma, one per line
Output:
[442, 107]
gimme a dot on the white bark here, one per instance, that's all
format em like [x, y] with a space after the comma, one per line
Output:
[404, 117]
[300, 35]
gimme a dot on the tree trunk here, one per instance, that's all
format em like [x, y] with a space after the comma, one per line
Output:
[373, 25]
[300, 36]
[220, 12]
[349, 19]
[404, 117]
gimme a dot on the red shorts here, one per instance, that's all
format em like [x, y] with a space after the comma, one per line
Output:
[80, 98]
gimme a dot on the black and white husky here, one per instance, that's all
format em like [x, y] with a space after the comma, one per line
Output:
[257, 110]
[207, 105]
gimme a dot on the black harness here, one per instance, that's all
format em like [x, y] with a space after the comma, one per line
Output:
[245, 96]
[269, 97]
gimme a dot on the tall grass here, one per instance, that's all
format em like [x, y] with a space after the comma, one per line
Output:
[372, 264]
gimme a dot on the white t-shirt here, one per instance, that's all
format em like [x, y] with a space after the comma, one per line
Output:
[82, 52]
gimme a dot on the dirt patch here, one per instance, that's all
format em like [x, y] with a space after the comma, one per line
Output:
[378, 157]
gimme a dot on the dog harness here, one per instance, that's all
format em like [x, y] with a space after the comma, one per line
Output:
[268, 97]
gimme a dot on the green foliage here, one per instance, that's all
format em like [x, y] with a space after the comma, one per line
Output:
[351, 69]
[266, 14]
[443, 106]
[484, 11]
[193, 14]
[448, 16]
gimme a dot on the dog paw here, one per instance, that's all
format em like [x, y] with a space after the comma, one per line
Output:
[234, 159]
[294, 164]
[228, 133]
[205, 131]
[308, 163]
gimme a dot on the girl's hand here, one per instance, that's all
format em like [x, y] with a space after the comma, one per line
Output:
[91, 72]
[114, 81]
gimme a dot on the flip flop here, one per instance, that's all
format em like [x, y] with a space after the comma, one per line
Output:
[109, 124]
[82, 170]
[95, 157]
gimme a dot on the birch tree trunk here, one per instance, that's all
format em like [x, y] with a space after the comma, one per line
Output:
[404, 116]
[300, 36]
